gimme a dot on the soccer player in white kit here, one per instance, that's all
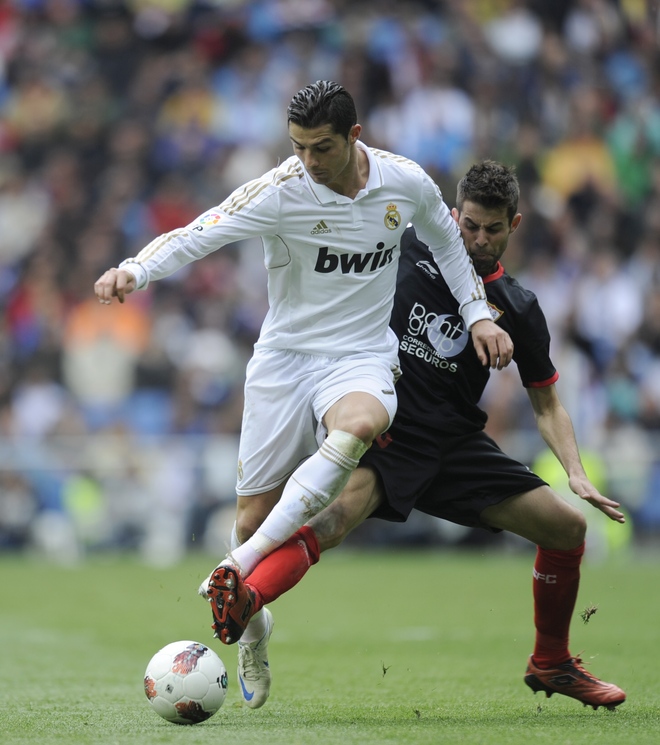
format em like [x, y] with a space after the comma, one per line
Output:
[320, 385]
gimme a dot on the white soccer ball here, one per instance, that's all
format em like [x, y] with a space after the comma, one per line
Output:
[185, 682]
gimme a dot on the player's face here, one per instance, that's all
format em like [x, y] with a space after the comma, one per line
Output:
[328, 157]
[485, 234]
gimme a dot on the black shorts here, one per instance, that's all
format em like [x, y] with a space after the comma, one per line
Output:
[454, 478]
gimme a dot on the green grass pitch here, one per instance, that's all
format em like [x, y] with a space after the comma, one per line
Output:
[372, 647]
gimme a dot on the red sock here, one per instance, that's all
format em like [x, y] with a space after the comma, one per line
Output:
[556, 582]
[285, 567]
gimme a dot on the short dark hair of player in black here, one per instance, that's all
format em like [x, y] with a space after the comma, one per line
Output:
[492, 185]
[323, 102]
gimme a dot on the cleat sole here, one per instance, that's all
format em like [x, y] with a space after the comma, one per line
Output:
[232, 605]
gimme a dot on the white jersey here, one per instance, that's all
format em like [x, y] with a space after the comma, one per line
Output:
[331, 260]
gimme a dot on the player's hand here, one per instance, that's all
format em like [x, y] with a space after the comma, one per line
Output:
[114, 283]
[587, 491]
[493, 345]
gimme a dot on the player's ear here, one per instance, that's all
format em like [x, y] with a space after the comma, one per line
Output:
[455, 214]
[354, 133]
[515, 222]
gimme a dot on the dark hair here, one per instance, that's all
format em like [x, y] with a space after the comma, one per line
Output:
[490, 184]
[323, 102]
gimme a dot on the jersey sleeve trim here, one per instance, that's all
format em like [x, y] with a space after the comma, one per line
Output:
[544, 383]
[138, 271]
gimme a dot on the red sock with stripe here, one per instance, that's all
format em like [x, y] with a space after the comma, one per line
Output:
[555, 586]
[285, 567]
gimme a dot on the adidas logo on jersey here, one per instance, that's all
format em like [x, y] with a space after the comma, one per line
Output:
[321, 228]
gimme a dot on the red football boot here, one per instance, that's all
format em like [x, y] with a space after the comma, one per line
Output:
[232, 603]
[571, 679]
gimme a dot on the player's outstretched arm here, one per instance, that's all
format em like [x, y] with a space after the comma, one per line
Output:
[556, 428]
[115, 283]
[492, 344]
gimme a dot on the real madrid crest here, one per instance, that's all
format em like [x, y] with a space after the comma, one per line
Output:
[392, 217]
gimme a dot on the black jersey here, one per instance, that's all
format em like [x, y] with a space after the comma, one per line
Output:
[443, 378]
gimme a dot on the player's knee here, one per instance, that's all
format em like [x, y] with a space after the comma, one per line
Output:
[570, 531]
[368, 432]
[364, 425]
[577, 529]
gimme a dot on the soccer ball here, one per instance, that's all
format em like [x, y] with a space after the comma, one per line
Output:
[186, 682]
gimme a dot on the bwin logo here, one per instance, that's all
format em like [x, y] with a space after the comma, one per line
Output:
[327, 262]
[428, 268]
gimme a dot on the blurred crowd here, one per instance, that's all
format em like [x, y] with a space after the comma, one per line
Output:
[122, 120]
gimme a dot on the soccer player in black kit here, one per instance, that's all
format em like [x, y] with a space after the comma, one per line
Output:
[436, 457]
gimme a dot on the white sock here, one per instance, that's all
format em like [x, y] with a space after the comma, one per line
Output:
[313, 485]
[256, 628]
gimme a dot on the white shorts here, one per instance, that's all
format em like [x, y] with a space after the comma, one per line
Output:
[286, 396]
